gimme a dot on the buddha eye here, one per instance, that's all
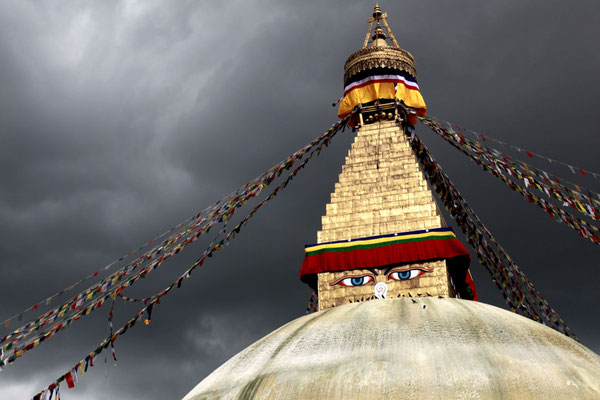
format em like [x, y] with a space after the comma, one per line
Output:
[350, 281]
[406, 274]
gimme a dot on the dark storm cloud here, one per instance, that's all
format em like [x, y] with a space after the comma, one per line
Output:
[120, 119]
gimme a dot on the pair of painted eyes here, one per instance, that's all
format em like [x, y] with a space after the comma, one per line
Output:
[396, 276]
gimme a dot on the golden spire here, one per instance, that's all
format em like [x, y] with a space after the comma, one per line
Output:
[380, 54]
[379, 37]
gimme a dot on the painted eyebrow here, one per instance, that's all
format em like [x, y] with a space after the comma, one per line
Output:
[400, 269]
[351, 276]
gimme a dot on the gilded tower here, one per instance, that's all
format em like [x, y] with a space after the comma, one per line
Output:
[383, 234]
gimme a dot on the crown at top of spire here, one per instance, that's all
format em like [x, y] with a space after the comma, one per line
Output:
[380, 55]
[378, 34]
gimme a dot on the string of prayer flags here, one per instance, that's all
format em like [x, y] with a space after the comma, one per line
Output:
[220, 241]
[574, 170]
[511, 163]
[107, 267]
[85, 302]
[164, 251]
[102, 285]
[518, 291]
[515, 176]
[215, 211]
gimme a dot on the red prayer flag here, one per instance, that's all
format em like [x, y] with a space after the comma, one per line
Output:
[582, 171]
[69, 379]
[529, 154]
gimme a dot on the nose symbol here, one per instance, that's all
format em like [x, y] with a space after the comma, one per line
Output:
[381, 290]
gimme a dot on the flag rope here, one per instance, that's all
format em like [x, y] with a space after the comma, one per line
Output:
[480, 145]
[477, 145]
[572, 168]
[496, 166]
[213, 209]
[309, 151]
[518, 291]
[77, 307]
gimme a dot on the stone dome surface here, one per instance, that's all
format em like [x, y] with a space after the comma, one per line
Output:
[426, 348]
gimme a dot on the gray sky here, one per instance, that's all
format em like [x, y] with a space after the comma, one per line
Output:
[120, 119]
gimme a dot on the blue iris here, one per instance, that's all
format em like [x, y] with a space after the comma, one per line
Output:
[357, 281]
[403, 274]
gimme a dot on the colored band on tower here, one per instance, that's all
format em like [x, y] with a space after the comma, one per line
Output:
[381, 83]
[386, 250]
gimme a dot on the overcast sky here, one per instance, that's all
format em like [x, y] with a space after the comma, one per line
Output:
[120, 119]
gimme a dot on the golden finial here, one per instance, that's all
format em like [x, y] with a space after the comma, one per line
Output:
[378, 15]
[377, 11]
[380, 54]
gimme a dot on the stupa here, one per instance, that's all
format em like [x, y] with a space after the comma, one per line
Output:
[398, 315]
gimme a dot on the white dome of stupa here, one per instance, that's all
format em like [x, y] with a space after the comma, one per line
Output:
[424, 348]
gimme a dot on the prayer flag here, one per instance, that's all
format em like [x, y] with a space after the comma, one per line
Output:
[69, 379]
